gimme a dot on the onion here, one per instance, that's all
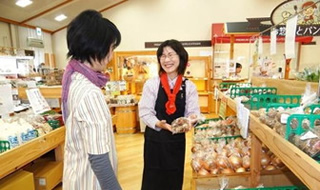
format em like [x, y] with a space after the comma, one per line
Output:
[195, 165]
[270, 167]
[227, 171]
[193, 149]
[239, 170]
[222, 162]
[246, 162]
[214, 171]
[206, 165]
[203, 171]
[265, 159]
[235, 161]
[224, 152]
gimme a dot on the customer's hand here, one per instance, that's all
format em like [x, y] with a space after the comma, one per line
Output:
[164, 125]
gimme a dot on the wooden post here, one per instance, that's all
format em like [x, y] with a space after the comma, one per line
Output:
[287, 69]
[255, 162]
[232, 38]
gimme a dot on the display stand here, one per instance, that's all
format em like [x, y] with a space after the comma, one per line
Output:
[46, 91]
[14, 159]
[302, 165]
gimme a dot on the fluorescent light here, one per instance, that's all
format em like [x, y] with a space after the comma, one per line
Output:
[23, 3]
[60, 17]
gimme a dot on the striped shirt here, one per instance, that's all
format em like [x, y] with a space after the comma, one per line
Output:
[149, 96]
[88, 131]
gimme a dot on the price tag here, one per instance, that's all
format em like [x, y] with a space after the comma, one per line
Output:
[37, 101]
[243, 118]
[223, 107]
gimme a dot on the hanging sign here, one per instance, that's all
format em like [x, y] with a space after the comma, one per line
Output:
[199, 43]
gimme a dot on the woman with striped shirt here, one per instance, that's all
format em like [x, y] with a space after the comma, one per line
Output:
[90, 161]
[164, 99]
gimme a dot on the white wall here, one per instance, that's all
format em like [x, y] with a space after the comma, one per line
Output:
[141, 21]
[24, 32]
[16, 36]
[5, 35]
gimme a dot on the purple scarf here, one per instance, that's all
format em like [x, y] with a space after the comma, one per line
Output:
[97, 78]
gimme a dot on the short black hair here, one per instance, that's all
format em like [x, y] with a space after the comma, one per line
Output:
[238, 65]
[179, 49]
[89, 36]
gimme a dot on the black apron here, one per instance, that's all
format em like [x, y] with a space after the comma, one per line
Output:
[164, 153]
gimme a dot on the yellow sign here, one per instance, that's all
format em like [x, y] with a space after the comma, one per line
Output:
[223, 107]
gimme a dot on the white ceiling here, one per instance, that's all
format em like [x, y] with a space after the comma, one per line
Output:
[41, 13]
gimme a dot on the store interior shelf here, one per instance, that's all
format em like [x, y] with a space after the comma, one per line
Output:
[302, 165]
[284, 86]
[18, 157]
[46, 91]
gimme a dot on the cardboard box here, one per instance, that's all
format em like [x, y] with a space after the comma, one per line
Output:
[47, 174]
[19, 180]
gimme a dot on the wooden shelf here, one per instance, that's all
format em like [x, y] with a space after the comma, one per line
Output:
[18, 157]
[284, 86]
[46, 91]
[302, 165]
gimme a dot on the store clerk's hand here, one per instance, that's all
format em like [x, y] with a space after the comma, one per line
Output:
[193, 119]
[164, 125]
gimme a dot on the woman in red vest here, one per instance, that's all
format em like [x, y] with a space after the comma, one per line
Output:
[164, 99]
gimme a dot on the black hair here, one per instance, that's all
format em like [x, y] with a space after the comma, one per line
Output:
[90, 36]
[181, 52]
[238, 65]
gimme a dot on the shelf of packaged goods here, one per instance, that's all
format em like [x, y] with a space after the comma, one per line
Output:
[18, 157]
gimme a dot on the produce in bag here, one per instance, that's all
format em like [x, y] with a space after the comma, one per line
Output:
[181, 125]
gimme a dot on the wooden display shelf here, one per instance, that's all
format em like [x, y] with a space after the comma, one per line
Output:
[46, 91]
[18, 157]
[302, 165]
[231, 104]
[284, 86]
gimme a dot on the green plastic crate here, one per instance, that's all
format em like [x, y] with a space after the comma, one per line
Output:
[4, 146]
[283, 105]
[300, 118]
[226, 85]
[198, 127]
[249, 91]
[261, 101]
[206, 121]
[311, 108]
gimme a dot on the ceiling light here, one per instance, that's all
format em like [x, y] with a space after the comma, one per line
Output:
[60, 17]
[23, 3]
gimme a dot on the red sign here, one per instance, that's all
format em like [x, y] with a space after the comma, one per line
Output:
[218, 36]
